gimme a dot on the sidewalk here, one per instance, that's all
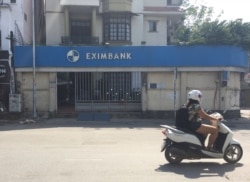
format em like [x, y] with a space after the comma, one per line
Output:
[135, 122]
[245, 118]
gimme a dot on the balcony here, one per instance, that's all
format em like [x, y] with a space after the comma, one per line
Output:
[170, 11]
[79, 40]
[79, 3]
[117, 6]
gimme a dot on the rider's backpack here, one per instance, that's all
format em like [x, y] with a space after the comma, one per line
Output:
[181, 118]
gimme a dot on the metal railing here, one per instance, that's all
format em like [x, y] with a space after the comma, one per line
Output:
[108, 91]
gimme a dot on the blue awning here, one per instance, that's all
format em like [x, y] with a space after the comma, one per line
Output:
[131, 56]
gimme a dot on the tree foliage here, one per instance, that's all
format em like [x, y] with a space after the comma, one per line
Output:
[199, 28]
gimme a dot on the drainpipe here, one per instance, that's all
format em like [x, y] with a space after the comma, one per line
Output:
[217, 83]
[175, 79]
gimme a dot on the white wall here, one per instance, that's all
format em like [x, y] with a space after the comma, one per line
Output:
[5, 26]
[140, 26]
[54, 22]
[16, 13]
[155, 2]
[137, 23]
[99, 28]
[54, 28]
[53, 6]
[160, 36]
[28, 24]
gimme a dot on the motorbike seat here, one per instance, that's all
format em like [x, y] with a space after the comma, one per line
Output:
[198, 135]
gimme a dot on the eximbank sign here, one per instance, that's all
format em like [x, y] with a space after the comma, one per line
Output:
[131, 56]
[74, 56]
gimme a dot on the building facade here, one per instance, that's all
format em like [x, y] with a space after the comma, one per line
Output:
[117, 55]
[117, 22]
[15, 29]
[16, 17]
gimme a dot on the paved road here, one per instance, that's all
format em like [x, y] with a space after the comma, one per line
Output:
[65, 150]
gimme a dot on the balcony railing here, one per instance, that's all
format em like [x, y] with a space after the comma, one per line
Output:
[79, 40]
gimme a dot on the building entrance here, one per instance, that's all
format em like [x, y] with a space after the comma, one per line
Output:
[100, 91]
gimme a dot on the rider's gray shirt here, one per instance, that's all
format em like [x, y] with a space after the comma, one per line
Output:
[193, 110]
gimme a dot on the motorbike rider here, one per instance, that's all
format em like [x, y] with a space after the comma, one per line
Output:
[195, 113]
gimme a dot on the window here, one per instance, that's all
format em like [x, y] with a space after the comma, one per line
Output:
[117, 27]
[152, 26]
[12, 1]
[80, 31]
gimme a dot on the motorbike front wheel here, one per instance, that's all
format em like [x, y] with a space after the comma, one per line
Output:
[171, 157]
[233, 153]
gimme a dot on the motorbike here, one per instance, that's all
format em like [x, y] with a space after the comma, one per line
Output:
[181, 144]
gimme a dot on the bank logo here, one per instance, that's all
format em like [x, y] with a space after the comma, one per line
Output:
[73, 56]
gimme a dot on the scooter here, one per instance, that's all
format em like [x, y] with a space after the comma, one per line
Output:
[180, 144]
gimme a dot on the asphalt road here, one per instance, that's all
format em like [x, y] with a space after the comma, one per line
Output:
[65, 150]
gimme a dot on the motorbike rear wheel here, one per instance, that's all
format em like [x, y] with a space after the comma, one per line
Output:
[233, 153]
[171, 157]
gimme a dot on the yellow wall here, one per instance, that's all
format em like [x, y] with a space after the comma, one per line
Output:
[215, 97]
[45, 92]
[162, 98]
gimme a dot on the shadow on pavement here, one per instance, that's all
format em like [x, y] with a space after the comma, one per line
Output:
[196, 170]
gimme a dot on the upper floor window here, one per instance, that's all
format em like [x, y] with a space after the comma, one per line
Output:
[12, 1]
[152, 26]
[117, 27]
[174, 2]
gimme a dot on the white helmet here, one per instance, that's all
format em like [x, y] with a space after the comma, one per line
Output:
[195, 95]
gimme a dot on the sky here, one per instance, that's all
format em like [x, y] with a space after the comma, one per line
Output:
[232, 9]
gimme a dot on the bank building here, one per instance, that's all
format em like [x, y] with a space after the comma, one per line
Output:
[120, 56]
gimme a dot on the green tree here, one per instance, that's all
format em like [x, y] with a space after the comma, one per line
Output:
[202, 27]
[197, 13]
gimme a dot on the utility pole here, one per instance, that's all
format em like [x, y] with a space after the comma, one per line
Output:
[34, 59]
